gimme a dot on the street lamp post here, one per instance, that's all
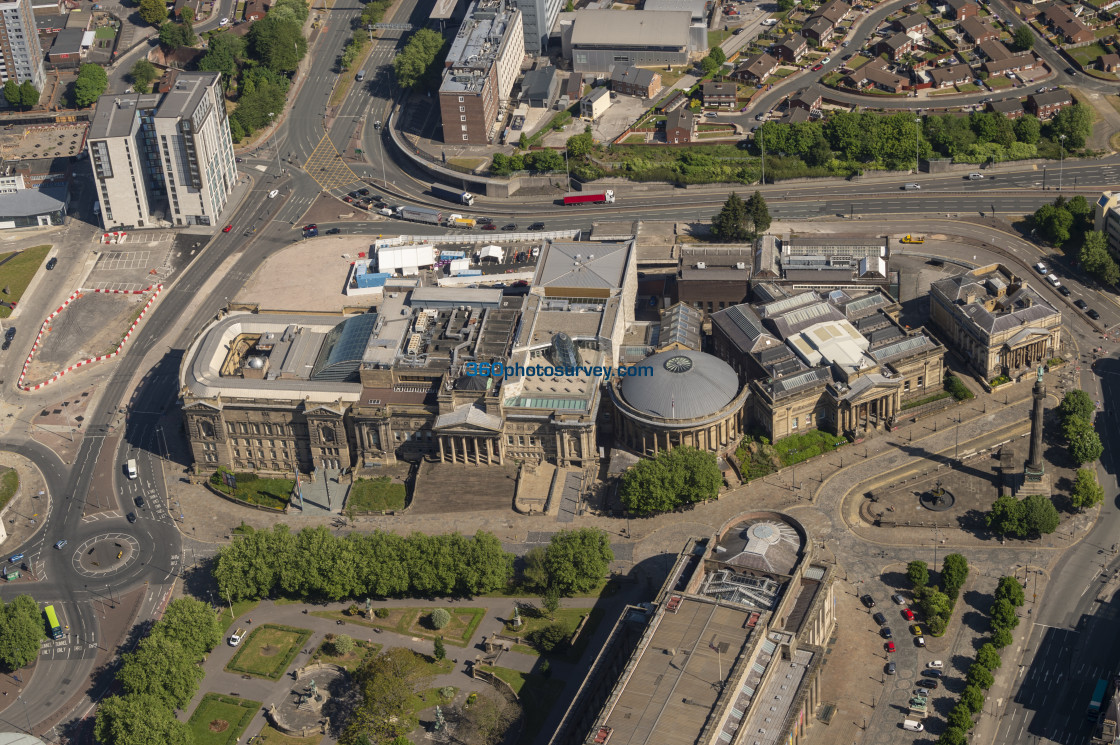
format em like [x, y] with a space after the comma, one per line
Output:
[1062, 161]
[917, 137]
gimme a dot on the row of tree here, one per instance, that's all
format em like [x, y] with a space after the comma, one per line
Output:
[20, 95]
[937, 603]
[672, 479]
[574, 562]
[24, 631]
[160, 676]
[314, 563]
[1069, 224]
[1014, 518]
[540, 161]
[1076, 413]
[420, 62]
[740, 221]
[1003, 618]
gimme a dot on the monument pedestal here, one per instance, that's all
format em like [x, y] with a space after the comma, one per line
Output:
[1033, 482]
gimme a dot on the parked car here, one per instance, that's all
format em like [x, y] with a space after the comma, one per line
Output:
[916, 630]
[880, 619]
[919, 641]
[908, 614]
[898, 599]
[273, 194]
[1065, 291]
[935, 665]
[890, 646]
[930, 684]
[826, 60]
[890, 668]
[817, 67]
[139, 501]
[1041, 269]
[932, 673]
[868, 601]
[923, 692]
[885, 632]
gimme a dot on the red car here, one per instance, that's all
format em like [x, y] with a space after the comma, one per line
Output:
[818, 67]
[347, 199]
[908, 614]
[227, 228]
[312, 226]
[489, 226]
[890, 646]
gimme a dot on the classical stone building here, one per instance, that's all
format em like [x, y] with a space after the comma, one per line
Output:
[734, 643]
[838, 362]
[995, 320]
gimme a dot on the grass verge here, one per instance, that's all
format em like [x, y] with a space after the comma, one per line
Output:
[9, 483]
[220, 720]
[16, 270]
[240, 608]
[413, 622]
[268, 651]
[537, 694]
[569, 619]
[376, 495]
[271, 493]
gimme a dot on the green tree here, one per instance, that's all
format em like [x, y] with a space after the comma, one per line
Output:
[578, 560]
[544, 161]
[819, 153]
[1040, 515]
[954, 573]
[162, 669]
[960, 717]
[1086, 492]
[709, 66]
[439, 618]
[1001, 638]
[973, 698]
[988, 656]
[1005, 518]
[143, 73]
[1011, 590]
[1084, 442]
[550, 602]
[758, 213]
[1024, 39]
[22, 622]
[978, 675]
[342, 645]
[192, 624]
[683, 475]
[953, 736]
[918, 573]
[173, 35]
[416, 62]
[937, 624]
[550, 638]
[138, 720]
[732, 224]
[580, 145]
[153, 12]
[438, 650]
[387, 684]
[278, 43]
[1054, 223]
[1097, 260]
[225, 55]
[1028, 129]
[1075, 122]
[28, 94]
[89, 85]
[1002, 614]
[785, 5]
[11, 93]
[936, 603]
[718, 55]
[1077, 403]
[534, 572]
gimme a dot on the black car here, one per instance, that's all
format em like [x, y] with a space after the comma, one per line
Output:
[483, 220]
[1093, 314]
[1070, 71]
[1081, 304]
[131, 517]
[930, 684]
[890, 668]
[52, 264]
[537, 226]
[511, 226]
[868, 601]
[880, 619]
[139, 501]
[885, 632]
[364, 192]
[354, 195]
[334, 231]
[1064, 290]
[10, 333]
[931, 673]
[7, 343]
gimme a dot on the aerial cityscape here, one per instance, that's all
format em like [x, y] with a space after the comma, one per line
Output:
[542, 372]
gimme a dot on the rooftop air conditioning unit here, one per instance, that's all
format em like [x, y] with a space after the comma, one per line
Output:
[701, 265]
[741, 265]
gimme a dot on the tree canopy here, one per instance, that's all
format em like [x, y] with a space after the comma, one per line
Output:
[142, 74]
[1097, 260]
[918, 573]
[153, 12]
[192, 625]
[1077, 403]
[89, 85]
[277, 42]
[1024, 39]
[1086, 492]
[416, 63]
[954, 573]
[138, 720]
[1010, 517]
[732, 224]
[578, 560]
[24, 95]
[1084, 442]
[1011, 590]
[1075, 122]
[161, 669]
[683, 475]
[388, 684]
[22, 622]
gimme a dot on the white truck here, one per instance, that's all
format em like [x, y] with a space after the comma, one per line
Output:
[236, 637]
[130, 468]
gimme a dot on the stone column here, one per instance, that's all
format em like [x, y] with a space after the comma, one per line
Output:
[490, 451]
[477, 454]
[442, 457]
[451, 445]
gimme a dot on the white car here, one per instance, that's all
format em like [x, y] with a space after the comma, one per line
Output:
[935, 665]
[273, 194]
[826, 60]
[223, 22]
[1041, 268]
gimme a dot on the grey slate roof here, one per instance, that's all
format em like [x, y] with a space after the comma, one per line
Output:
[790, 385]
[599, 265]
[742, 326]
[684, 385]
[470, 416]
[901, 349]
[28, 203]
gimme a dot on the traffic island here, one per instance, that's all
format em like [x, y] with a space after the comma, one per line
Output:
[268, 651]
[220, 720]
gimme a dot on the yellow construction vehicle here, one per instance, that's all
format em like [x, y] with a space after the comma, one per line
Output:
[914, 239]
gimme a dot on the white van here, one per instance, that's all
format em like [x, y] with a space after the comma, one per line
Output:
[975, 176]
[913, 725]
[911, 187]
[130, 468]
[1052, 279]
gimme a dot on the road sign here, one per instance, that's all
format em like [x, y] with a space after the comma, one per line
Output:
[393, 26]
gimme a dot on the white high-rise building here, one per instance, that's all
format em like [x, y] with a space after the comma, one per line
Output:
[21, 57]
[164, 159]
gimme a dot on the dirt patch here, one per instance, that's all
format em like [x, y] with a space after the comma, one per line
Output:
[219, 725]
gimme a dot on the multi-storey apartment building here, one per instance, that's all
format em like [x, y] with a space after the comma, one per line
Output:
[21, 57]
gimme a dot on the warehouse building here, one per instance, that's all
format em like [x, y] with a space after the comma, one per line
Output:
[599, 40]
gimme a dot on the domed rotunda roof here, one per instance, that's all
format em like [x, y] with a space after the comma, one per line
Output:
[684, 385]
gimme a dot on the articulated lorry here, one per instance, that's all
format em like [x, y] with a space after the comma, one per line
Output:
[453, 195]
[420, 214]
[606, 197]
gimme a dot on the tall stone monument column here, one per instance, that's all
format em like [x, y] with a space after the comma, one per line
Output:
[1035, 479]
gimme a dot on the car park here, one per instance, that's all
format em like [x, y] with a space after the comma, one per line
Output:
[885, 632]
[908, 614]
[60, 544]
[868, 601]
[1093, 314]
[1081, 304]
[131, 517]
[880, 619]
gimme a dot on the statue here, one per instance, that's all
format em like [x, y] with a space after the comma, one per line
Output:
[313, 690]
[439, 724]
[1040, 373]
[516, 616]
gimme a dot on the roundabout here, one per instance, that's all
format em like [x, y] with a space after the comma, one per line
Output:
[105, 554]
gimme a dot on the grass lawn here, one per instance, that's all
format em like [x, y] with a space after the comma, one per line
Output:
[857, 62]
[638, 138]
[270, 736]
[16, 271]
[431, 697]
[220, 720]
[569, 618]
[537, 694]
[105, 32]
[968, 88]
[1114, 141]
[468, 163]
[351, 659]
[413, 622]
[715, 38]
[273, 493]
[1087, 54]
[9, 482]
[240, 608]
[376, 495]
[268, 651]
[999, 82]
[670, 76]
